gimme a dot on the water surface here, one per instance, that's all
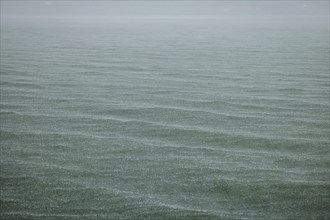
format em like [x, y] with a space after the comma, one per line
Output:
[165, 119]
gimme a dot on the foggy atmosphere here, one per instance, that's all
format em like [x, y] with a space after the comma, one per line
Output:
[165, 109]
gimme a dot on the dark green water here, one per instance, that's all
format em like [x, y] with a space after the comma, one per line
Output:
[165, 119]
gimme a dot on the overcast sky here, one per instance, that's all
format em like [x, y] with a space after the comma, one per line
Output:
[157, 8]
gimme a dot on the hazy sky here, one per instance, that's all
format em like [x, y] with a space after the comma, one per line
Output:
[158, 8]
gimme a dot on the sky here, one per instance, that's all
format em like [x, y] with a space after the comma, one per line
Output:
[159, 8]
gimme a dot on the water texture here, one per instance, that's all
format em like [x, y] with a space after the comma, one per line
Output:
[165, 119]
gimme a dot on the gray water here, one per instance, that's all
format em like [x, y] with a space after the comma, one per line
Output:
[165, 119]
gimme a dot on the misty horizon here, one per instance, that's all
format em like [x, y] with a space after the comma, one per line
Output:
[159, 9]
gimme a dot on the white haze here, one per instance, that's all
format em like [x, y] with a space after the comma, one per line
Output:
[159, 9]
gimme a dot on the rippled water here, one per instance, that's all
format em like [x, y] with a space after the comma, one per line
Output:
[165, 119]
